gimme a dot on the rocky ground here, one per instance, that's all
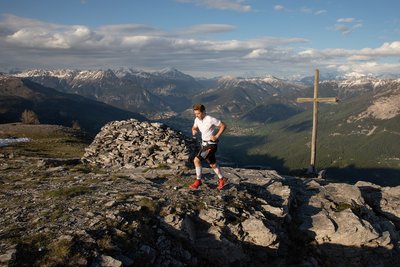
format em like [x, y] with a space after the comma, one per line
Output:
[58, 212]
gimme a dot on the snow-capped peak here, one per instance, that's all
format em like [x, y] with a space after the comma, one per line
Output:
[95, 75]
[354, 75]
[271, 79]
[122, 72]
[227, 78]
[174, 74]
[58, 73]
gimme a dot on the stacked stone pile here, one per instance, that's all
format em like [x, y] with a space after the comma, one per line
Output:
[131, 144]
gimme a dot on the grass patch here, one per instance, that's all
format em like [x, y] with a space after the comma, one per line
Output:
[57, 213]
[82, 168]
[342, 206]
[69, 192]
[51, 148]
[41, 178]
[51, 141]
[119, 176]
[179, 181]
[162, 167]
[57, 253]
[148, 204]
[158, 167]
[42, 250]
[106, 243]
[32, 250]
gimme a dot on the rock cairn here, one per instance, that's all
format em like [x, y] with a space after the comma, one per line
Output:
[131, 144]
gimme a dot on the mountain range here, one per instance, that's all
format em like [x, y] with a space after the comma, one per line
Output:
[165, 92]
[267, 126]
[54, 107]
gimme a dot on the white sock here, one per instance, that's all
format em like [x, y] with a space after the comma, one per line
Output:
[198, 173]
[218, 172]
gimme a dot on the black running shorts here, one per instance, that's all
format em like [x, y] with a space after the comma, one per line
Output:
[208, 153]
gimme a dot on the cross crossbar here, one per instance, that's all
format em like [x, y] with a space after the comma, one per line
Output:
[319, 99]
[315, 101]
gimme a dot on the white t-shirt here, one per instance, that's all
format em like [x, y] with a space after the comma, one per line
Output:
[206, 126]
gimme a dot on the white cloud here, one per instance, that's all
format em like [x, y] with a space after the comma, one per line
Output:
[346, 20]
[34, 44]
[37, 38]
[306, 10]
[279, 8]
[359, 58]
[130, 29]
[347, 25]
[370, 67]
[343, 29]
[307, 53]
[207, 29]
[113, 45]
[386, 50]
[257, 53]
[319, 12]
[346, 30]
[235, 5]
[23, 32]
[366, 60]
[139, 41]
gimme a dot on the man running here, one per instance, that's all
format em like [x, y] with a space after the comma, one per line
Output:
[207, 125]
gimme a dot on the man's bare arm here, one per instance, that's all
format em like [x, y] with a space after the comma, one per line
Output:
[194, 130]
[221, 129]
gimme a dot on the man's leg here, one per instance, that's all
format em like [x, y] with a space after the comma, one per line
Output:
[197, 165]
[221, 179]
[217, 170]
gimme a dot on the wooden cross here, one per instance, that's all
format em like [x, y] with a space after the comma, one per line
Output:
[315, 101]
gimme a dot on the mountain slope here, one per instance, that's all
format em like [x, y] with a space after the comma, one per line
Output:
[147, 93]
[54, 107]
[353, 141]
[237, 97]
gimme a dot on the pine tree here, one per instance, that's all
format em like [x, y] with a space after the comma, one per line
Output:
[29, 117]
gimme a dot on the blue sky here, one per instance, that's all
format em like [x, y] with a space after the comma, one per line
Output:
[203, 37]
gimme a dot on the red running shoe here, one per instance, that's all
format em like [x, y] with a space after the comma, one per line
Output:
[196, 184]
[221, 183]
